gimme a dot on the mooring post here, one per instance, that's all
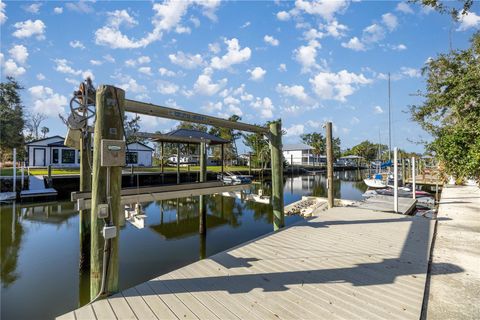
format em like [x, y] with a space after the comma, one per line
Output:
[15, 170]
[178, 163]
[23, 175]
[414, 177]
[329, 164]
[110, 105]
[250, 163]
[409, 168]
[277, 174]
[49, 172]
[395, 180]
[202, 227]
[222, 156]
[85, 185]
[404, 178]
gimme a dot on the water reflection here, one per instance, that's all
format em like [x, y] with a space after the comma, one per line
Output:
[40, 242]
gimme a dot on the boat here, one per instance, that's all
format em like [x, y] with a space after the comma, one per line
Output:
[230, 178]
[376, 182]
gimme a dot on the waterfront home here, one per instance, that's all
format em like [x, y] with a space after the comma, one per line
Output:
[52, 151]
[302, 154]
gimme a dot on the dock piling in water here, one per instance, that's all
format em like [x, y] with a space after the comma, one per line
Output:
[329, 164]
[275, 138]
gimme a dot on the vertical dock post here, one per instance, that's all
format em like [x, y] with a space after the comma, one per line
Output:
[202, 227]
[85, 185]
[404, 177]
[414, 176]
[178, 163]
[329, 164]
[23, 174]
[395, 180]
[277, 174]
[222, 156]
[161, 157]
[15, 170]
[250, 163]
[110, 105]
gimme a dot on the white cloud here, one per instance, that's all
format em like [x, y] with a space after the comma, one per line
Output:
[30, 28]
[186, 60]
[10, 67]
[354, 44]
[40, 76]
[19, 53]
[245, 25]
[80, 6]
[205, 86]
[62, 65]
[323, 8]
[72, 81]
[307, 55]
[264, 106]
[315, 124]
[214, 47]
[166, 87]
[354, 121]
[211, 107]
[47, 102]
[398, 47]
[410, 72]
[468, 20]
[377, 110]
[257, 73]
[373, 33]
[390, 20]
[139, 61]
[296, 91]
[109, 58]
[3, 16]
[404, 7]
[271, 40]
[234, 55]
[121, 17]
[233, 109]
[283, 16]
[58, 10]
[282, 67]
[96, 62]
[166, 73]
[33, 8]
[144, 59]
[295, 130]
[76, 44]
[337, 86]
[145, 70]
[195, 21]
[335, 29]
[168, 16]
[129, 84]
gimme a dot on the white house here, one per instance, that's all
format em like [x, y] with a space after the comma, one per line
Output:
[301, 154]
[52, 151]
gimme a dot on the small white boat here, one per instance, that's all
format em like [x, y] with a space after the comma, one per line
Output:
[376, 181]
[230, 178]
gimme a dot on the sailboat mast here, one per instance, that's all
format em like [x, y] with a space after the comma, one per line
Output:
[389, 122]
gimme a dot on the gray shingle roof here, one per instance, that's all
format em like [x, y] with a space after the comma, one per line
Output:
[188, 133]
[296, 146]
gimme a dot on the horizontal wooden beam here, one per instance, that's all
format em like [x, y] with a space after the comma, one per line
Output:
[83, 204]
[175, 114]
[172, 139]
[133, 191]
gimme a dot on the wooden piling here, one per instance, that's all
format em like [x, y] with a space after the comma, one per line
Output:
[250, 163]
[110, 104]
[395, 180]
[404, 178]
[202, 226]
[162, 156]
[414, 177]
[178, 163]
[85, 186]
[222, 156]
[329, 164]
[277, 174]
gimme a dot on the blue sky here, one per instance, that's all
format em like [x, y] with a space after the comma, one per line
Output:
[304, 62]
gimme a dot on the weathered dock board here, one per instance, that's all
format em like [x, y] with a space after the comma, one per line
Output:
[37, 189]
[347, 263]
[385, 204]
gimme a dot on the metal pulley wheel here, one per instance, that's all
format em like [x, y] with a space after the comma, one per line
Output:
[82, 106]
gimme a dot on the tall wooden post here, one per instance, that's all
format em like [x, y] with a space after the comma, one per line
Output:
[329, 164]
[178, 163]
[15, 170]
[110, 105]
[202, 227]
[404, 178]
[222, 156]
[277, 174]
[250, 163]
[395, 180]
[85, 185]
[414, 178]
[409, 168]
[162, 156]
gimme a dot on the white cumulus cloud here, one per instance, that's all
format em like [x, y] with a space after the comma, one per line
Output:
[30, 28]
[3, 16]
[19, 53]
[468, 20]
[377, 110]
[40, 76]
[337, 86]
[145, 70]
[271, 40]
[282, 67]
[354, 44]
[404, 7]
[326, 9]
[257, 73]
[295, 130]
[76, 44]
[166, 73]
[206, 86]
[33, 8]
[58, 10]
[234, 55]
[186, 60]
[47, 102]
[307, 56]
[283, 16]
[166, 87]
[10, 67]
[296, 91]
[390, 20]
[264, 106]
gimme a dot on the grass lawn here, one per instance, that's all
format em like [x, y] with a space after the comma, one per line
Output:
[60, 171]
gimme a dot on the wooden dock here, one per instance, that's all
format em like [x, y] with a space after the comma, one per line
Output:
[347, 263]
[37, 189]
[385, 204]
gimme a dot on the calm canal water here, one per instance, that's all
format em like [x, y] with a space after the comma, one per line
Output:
[39, 243]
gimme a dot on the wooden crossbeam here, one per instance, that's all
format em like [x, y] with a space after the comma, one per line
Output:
[175, 114]
[168, 138]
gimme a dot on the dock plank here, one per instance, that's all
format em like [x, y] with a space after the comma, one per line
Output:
[347, 263]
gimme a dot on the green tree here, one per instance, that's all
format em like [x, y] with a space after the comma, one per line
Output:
[368, 150]
[11, 119]
[258, 143]
[192, 126]
[230, 149]
[319, 144]
[451, 110]
[442, 7]
[44, 131]
[132, 127]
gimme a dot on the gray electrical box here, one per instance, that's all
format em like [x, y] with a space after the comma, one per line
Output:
[113, 153]
[109, 232]
[102, 211]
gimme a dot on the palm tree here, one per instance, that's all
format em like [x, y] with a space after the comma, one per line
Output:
[44, 131]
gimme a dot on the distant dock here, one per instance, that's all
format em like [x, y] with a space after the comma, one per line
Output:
[348, 262]
[37, 189]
